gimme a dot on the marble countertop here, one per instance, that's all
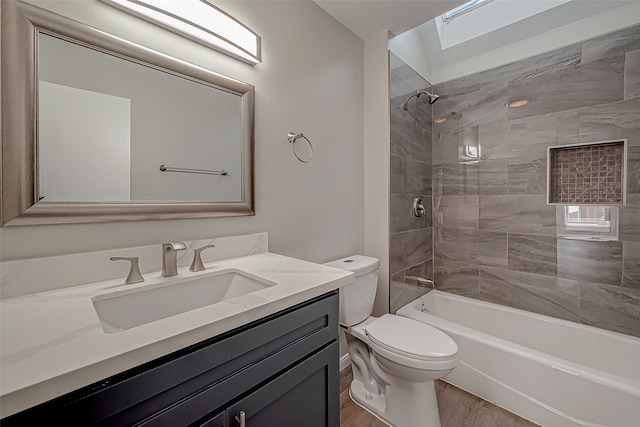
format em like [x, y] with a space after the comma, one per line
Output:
[53, 342]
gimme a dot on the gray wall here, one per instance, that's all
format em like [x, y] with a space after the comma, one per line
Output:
[494, 235]
[410, 249]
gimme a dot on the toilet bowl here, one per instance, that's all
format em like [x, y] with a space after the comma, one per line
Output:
[394, 359]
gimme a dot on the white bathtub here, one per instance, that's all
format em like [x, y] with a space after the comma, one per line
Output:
[553, 372]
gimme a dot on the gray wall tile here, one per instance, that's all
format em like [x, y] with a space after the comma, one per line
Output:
[629, 308]
[459, 212]
[493, 177]
[483, 106]
[471, 246]
[456, 245]
[404, 289]
[633, 170]
[408, 135]
[631, 265]
[629, 220]
[456, 179]
[632, 74]
[402, 217]
[612, 44]
[515, 214]
[611, 121]
[536, 65]
[417, 177]
[610, 307]
[417, 247]
[527, 139]
[396, 175]
[402, 293]
[456, 277]
[569, 88]
[532, 253]
[527, 178]
[590, 261]
[445, 147]
[492, 249]
[542, 294]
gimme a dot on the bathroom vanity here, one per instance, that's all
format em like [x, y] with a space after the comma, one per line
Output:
[265, 356]
[279, 370]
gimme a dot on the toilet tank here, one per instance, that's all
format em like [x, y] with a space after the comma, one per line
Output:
[356, 299]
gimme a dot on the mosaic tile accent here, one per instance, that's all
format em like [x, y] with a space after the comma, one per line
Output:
[591, 173]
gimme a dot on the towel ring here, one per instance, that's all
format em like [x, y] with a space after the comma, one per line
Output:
[293, 137]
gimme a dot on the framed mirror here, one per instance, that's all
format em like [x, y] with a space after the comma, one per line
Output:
[99, 129]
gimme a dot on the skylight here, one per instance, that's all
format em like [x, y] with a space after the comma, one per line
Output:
[463, 8]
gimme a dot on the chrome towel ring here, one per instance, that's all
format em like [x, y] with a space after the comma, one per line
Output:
[293, 137]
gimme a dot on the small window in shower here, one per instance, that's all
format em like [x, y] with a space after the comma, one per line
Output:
[588, 222]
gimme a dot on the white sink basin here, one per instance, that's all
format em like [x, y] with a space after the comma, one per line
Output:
[127, 309]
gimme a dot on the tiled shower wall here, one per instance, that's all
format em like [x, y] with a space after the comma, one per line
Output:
[494, 235]
[411, 252]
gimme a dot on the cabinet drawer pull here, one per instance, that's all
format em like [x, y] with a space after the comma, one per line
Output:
[241, 418]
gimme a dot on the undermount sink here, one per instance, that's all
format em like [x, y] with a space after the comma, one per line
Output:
[127, 309]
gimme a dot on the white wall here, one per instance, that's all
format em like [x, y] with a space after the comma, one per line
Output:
[310, 81]
[377, 153]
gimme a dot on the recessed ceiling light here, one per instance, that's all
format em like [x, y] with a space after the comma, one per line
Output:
[518, 103]
[439, 120]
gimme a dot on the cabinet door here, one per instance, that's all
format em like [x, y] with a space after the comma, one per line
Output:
[305, 395]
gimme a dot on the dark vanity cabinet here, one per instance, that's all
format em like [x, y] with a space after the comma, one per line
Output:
[281, 370]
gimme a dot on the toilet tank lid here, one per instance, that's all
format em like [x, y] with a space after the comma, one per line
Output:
[358, 264]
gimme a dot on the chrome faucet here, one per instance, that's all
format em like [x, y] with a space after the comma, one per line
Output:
[170, 258]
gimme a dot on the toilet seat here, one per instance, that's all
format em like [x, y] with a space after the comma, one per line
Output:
[411, 343]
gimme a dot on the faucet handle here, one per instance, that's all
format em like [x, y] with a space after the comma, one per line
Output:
[197, 264]
[134, 275]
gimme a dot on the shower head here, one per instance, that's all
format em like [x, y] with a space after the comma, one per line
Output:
[432, 98]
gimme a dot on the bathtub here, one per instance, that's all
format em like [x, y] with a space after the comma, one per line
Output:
[553, 372]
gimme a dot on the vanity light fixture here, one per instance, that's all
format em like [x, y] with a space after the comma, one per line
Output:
[519, 103]
[200, 21]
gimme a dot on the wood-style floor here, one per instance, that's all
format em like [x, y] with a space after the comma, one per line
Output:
[457, 409]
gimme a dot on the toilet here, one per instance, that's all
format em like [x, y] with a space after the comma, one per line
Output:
[394, 359]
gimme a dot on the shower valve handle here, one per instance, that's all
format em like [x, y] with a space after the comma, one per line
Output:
[418, 207]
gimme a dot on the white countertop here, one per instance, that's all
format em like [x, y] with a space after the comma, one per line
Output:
[53, 342]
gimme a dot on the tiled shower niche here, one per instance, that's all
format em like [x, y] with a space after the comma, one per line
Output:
[587, 173]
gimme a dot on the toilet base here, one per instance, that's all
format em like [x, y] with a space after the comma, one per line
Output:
[397, 406]
[382, 420]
